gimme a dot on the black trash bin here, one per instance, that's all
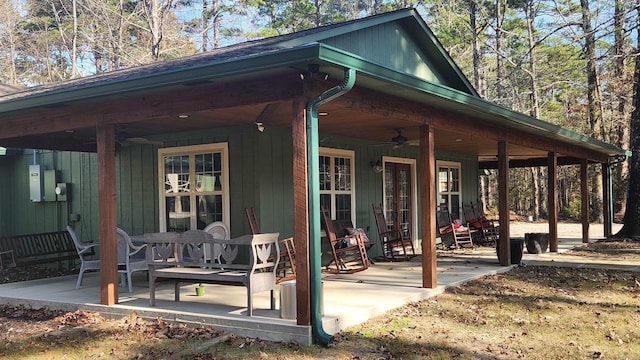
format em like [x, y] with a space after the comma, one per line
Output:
[516, 247]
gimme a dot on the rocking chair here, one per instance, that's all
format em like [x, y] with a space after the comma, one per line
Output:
[396, 245]
[349, 252]
[477, 221]
[453, 234]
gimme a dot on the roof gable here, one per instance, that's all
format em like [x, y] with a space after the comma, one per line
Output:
[400, 40]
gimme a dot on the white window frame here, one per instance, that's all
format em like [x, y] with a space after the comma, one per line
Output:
[347, 154]
[223, 149]
[450, 165]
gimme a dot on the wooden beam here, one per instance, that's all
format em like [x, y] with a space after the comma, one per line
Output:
[401, 109]
[503, 204]
[523, 163]
[552, 187]
[106, 140]
[606, 199]
[140, 107]
[584, 200]
[301, 212]
[427, 179]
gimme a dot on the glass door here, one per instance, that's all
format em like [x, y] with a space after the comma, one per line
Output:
[397, 196]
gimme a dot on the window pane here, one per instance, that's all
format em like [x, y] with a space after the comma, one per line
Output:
[209, 209]
[325, 201]
[325, 173]
[342, 174]
[443, 179]
[455, 180]
[178, 213]
[176, 169]
[343, 207]
[455, 207]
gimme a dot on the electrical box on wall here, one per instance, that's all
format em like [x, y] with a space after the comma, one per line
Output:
[36, 183]
[62, 191]
[50, 185]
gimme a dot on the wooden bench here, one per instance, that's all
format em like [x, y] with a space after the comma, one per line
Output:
[183, 258]
[37, 249]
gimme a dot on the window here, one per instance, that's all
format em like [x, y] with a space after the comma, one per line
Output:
[196, 186]
[449, 187]
[337, 192]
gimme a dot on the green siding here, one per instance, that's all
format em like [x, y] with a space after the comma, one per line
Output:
[261, 176]
[400, 51]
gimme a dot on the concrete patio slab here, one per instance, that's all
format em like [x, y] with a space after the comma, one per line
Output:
[348, 300]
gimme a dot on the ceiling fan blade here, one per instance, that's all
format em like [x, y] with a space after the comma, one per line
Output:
[143, 141]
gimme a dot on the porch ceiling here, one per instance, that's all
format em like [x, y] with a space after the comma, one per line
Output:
[339, 121]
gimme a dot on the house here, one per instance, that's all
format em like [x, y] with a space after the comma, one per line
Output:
[283, 125]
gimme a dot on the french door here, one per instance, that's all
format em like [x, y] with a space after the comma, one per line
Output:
[398, 196]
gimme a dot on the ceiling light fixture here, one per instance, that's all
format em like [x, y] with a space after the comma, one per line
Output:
[184, 116]
[323, 113]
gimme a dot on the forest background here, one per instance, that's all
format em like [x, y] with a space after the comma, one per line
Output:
[569, 62]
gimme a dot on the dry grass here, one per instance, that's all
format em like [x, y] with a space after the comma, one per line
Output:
[534, 312]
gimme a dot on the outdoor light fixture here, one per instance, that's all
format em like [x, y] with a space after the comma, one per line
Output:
[314, 73]
[377, 166]
[260, 126]
[3, 150]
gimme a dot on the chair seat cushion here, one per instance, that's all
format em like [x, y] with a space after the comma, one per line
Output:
[449, 228]
[358, 231]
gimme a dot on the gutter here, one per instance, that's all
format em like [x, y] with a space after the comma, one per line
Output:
[315, 266]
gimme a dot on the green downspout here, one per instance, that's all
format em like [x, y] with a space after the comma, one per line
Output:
[315, 250]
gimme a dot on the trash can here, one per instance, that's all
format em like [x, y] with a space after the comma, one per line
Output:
[288, 300]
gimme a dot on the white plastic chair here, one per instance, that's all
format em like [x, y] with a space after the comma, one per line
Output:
[131, 257]
[219, 231]
[83, 251]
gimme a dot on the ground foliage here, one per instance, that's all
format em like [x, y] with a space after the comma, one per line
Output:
[530, 312]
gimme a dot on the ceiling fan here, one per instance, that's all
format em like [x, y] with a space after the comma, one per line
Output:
[399, 140]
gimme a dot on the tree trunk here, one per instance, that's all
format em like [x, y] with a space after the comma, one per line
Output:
[620, 119]
[499, 21]
[631, 227]
[473, 12]
[593, 97]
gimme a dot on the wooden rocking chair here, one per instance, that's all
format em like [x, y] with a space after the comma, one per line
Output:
[286, 269]
[478, 220]
[453, 235]
[396, 246]
[349, 252]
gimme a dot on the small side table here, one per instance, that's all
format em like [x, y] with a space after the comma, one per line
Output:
[7, 254]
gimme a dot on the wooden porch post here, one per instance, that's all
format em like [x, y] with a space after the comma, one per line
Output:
[606, 199]
[584, 195]
[301, 213]
[503, 204]
[552, 185]
[428, 207]
[106, 146]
